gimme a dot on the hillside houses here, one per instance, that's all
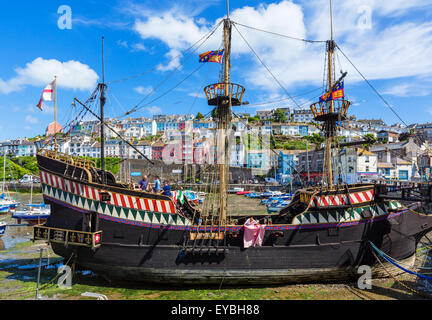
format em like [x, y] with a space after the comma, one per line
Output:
[184, 139]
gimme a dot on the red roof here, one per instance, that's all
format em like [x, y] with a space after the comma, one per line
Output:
[53, 128]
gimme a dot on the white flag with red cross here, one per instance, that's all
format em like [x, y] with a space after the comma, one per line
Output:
[47, 95]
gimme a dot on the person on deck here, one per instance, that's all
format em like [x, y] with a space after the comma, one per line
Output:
[166, 191]
[144, 184]
[157, 185]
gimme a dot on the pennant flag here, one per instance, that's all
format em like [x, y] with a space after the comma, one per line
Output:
[47, 95]
[338, 92]
[212, 56]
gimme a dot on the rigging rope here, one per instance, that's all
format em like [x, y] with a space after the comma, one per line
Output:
[281, 35]
[254, 52]
[373, 88]
[173, 59]
[134, 109]
[280, 100]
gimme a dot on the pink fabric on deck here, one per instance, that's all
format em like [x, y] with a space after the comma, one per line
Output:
[253, 233]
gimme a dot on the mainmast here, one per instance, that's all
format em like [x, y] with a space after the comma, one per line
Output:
[102, 87]
[224, 114]
[329, 137]
[224, 95]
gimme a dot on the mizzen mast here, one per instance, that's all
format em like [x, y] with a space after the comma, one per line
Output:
[329, 110]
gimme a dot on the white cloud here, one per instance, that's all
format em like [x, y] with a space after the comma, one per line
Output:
[176, 30]
[199, 95]
[143, 90]
[136, 47]
[410, 89]
[154, 110]
[31, 119]
[122, 43]
[387, 50]
[173, 57]
[70, 75]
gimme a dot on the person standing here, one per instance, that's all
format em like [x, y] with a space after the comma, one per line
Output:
[144, 184]
[157, 185]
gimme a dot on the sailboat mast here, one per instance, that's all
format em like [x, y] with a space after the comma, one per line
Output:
[102, 88]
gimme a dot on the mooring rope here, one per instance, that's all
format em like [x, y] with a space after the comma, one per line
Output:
[425, 295]
[399, 262]
[382, 254]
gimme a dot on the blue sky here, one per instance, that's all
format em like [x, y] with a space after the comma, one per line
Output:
[390, 42]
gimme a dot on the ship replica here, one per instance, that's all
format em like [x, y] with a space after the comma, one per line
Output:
[100, 224]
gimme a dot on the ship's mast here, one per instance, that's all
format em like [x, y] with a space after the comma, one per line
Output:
[224, 96]
[224, 114]
[330, 111]
[102, 87]
[329, 138]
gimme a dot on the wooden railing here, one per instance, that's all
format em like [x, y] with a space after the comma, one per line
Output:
[322, 108]
[76, 161]
[216, 90]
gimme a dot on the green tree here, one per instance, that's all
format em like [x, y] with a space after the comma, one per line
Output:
[315, 138]
[369, 136]
[253, 119]
[279, 115]
[199, 116]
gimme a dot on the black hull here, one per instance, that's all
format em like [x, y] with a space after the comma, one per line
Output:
[146, 237]
[134, 253]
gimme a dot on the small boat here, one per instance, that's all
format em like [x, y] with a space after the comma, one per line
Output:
[2, 228]
[253, 195]
[4, 209]
[34, 214]
[235, 190]
[268, 194]
[8, 202]
[242, 193]
[278, 206]
[5, 198]
[193, 196]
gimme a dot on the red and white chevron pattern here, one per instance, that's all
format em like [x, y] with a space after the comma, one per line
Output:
[117, 199]
[341, 199]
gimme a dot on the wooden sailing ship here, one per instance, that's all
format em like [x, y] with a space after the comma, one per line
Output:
[323, 235]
